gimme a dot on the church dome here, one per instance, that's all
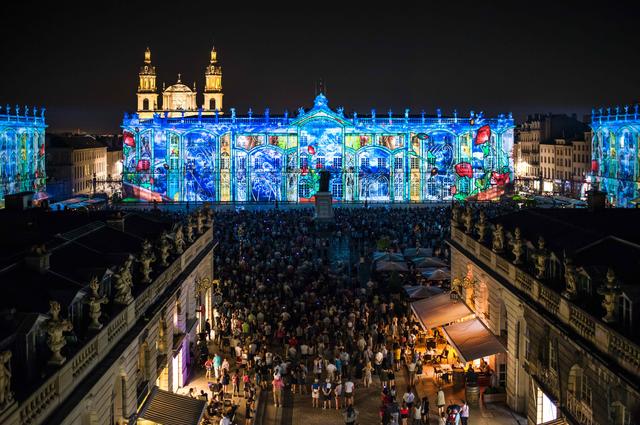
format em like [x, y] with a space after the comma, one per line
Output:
[178, 88]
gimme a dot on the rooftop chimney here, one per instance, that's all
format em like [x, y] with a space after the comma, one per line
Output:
[38, 258]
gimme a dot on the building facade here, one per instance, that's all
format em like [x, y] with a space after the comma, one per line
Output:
[545, 148]
[559, 288]
[22, 150]
[104, 317]
[615, 143]
[73, 162]
[268, 158]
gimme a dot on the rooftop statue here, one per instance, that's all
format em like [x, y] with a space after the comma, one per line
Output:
[164, 247]
[178, 240]
[570, 279]
[95, 302]
[498, 238]
[518, 247]
[55, 327]
[146, 257]
[124, 283]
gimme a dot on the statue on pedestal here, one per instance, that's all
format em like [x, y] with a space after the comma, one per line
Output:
[162, 339]
[498, 239]
[481, 226]
[518, 247]
[6, 396]
[55, 327]
[178, 240]
[571, 289]
[145, 259]
[95, 302]
[541, 259]
[468, 220]
[325, 176]
[189, 229]
[611, 293]
[123, 283]
[164, 247]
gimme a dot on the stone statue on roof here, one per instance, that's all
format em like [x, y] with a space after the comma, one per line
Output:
[95, 302]
[541, 259]
[189, 229]
[145, 259]
[518, 247]
[178, 240]
[455, 216]
[468, 220]
[611, 293]
[164, 248]
[55, 327]
[124, 283]
[571, 289]
[6, 396]
[498, 238]
[481, 227]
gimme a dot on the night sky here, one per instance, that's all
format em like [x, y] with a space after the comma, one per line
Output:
[81, 62]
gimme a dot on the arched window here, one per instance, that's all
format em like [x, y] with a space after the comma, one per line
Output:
[145, 105]
[212, 104]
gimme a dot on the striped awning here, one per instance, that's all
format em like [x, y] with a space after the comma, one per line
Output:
[167, 408]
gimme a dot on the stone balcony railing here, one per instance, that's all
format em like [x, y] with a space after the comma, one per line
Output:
[42, 402]
[580, 410]
[599, 334]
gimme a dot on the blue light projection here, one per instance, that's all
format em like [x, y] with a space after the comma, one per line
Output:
[22, 155]
[614, 152]
[376, 158]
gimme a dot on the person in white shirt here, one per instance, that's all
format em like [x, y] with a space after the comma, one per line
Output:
[331, 370]
[441, 402]
[349, 388]
[464, 413]
[408, 398]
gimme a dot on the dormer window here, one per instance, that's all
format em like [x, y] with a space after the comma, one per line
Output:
[625, 312]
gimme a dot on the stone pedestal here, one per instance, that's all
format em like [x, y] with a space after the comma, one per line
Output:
[324, 207]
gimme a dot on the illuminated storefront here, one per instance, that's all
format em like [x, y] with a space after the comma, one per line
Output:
[615, 154]
[22, 160]
[200, 157]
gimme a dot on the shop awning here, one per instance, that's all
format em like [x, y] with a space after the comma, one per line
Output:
[439, 310]
[472, 340]
[167, 408]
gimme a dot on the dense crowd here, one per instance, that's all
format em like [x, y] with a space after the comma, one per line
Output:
[296, 317]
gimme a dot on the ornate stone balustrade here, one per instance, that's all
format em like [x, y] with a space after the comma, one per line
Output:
[117, 326]
[582, 323]
[550, 299]
[84, 358]
[624, 350]
[502, 264]
[524, 280]
[39, 404]
[580, 410]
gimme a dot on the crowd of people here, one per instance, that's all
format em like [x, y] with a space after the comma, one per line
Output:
[296, 317]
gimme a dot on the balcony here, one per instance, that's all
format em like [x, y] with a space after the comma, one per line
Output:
[579, 409]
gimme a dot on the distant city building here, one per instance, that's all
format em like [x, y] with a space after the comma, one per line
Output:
[75, 160]
[98, 314]
[615, 154]
[559, 287]
[22, 150]
[178, 99]
[550, 155]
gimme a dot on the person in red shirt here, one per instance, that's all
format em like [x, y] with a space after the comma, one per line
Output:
[208, 365]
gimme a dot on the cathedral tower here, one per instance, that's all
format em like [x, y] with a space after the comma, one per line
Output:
[147, 91]
[213, 84]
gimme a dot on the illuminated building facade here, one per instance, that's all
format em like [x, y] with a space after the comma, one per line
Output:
[200, 157]
[22, 141]
[615, 154]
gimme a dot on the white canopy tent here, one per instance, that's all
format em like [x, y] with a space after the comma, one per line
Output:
[439, 310]
[472, 340]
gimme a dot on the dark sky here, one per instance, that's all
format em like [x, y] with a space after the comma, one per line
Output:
[81, 62]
